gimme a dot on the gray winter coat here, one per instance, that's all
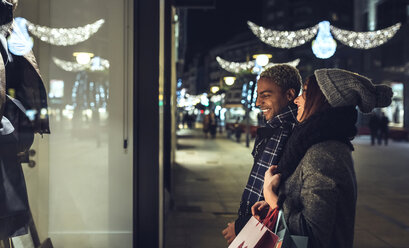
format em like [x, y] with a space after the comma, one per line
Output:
[320, 196]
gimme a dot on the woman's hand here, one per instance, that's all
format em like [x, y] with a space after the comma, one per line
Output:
[260, 210]
[271, 182]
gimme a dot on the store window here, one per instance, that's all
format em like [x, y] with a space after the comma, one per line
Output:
[395, 111]
[80, 179]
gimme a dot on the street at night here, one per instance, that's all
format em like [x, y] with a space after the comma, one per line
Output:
[210, 175]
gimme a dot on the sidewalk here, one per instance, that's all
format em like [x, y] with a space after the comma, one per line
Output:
[210, 175]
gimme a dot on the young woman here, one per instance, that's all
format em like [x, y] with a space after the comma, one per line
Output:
[314, 183]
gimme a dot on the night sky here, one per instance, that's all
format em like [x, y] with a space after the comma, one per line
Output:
[212, 27]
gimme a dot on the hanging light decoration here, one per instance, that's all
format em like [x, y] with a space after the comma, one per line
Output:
[64, 36]
[365, 40]
[96, 64]
[324, 45]
[293, 63]
[238, 67]
[19, 42]
[290, 39]
[235, 67]
[283, 39]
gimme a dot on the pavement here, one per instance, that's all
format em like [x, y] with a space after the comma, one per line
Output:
[210, 174]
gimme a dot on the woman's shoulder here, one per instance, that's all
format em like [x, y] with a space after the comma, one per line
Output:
[328, 153]
[329, 146]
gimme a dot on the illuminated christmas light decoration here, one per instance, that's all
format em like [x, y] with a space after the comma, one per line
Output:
[326, 45]
[283, 39]
[293, 63]
[365, 40]
[19, 42]
[238, 67]
[64, 36]
[96, 64]
[235, 67]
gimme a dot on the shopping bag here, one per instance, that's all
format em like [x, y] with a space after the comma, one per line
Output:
[285, 239]
[257, 234]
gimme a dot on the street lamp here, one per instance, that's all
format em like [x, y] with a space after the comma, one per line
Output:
[214, 89]
[83, 58]
[262, 59]
[229, 80]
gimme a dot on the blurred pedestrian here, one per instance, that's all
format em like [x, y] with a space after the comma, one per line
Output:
[277, 87]
[206, 125]
[237, 130]
[383, 129]
[185, 119]
[212, 124]
[315, 183]
[374, 123]
[191, 118]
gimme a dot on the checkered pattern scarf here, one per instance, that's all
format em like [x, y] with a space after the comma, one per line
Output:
[267, 152]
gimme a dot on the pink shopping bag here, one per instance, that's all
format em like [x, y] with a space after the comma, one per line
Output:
[255, 235]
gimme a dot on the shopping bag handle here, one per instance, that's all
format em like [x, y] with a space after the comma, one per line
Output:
[271, 218]
[280, 218]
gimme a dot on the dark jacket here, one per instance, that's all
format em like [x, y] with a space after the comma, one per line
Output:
[267, 151]
[321, 196]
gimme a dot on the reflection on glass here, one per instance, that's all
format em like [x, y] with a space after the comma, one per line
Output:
[90, 176]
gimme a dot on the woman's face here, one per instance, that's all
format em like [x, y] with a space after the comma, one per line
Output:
[300, 102]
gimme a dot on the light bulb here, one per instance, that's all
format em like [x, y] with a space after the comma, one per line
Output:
[324, 45]
[229, 80]
[83, 58]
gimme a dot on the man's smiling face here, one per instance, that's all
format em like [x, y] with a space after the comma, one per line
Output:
[270, 98]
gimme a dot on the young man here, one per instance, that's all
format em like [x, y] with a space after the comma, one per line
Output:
[277, 87]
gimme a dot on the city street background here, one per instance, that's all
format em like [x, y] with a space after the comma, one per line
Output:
[210, 175]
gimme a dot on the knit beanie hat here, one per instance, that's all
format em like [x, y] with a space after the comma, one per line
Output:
[345, 88]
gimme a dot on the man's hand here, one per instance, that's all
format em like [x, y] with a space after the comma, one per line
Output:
[229, 232]
[260, 210]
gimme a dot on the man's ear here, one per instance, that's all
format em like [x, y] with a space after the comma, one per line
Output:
[290, 94]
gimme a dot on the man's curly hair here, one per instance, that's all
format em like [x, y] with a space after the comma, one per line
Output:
[285, 76]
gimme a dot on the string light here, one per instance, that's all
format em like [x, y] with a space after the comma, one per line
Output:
[238, 67]
[96, 64]
[283, 39]
[64, 36]
[235, 67]
[293, 63]
[365, 40]
[290, 39]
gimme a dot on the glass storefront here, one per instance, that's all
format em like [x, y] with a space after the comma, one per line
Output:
[80, 188]
[395, 111]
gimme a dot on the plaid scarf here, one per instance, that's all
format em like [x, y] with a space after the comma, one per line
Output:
[267, 151]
